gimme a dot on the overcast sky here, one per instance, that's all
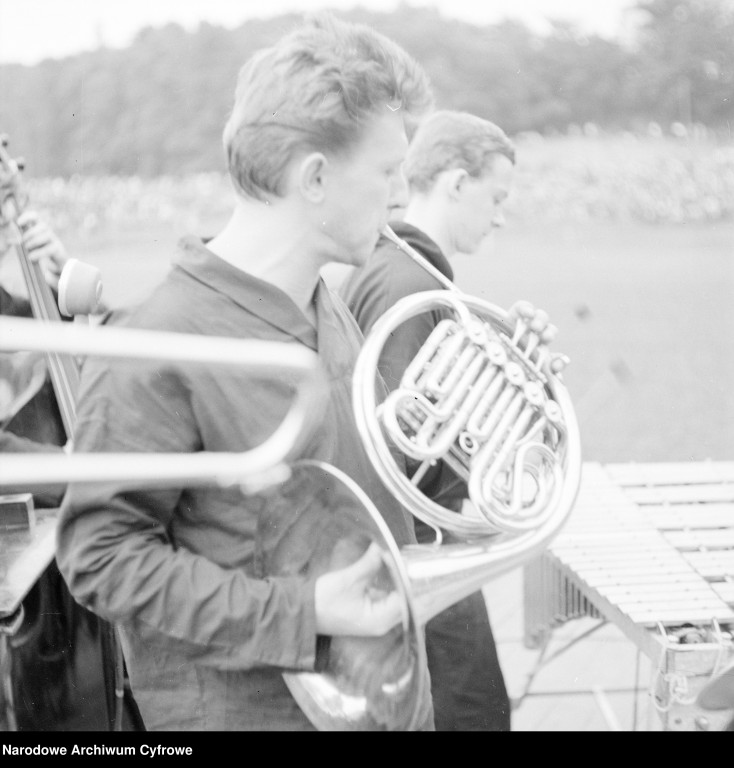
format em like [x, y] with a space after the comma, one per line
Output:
[31, 30]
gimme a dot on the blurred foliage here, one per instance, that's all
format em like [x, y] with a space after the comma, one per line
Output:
[622, 177]
[158, 107]
[589, 176]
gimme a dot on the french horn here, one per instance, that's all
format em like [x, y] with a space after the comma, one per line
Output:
[485, 395]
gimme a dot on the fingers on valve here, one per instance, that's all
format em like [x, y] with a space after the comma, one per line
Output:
[539, 322]
[558, 362]
[521, 310]
[549, 333]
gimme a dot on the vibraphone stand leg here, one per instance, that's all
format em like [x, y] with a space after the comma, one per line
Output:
[635, 709]
[606, 710]
[542, 660]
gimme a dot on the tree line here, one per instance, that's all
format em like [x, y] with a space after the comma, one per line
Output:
[159, 105]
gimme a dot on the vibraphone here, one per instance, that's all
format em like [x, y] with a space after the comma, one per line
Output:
[649, 547]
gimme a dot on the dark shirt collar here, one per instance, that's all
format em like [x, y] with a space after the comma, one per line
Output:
[254, 295]
[424, 245]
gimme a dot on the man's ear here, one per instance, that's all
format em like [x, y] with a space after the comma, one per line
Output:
[454, 180]
[312, 175]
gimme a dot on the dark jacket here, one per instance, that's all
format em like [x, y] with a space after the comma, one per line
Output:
[206, 630]
[369, 291]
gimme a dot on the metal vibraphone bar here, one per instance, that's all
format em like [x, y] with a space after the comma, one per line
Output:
[650, 548]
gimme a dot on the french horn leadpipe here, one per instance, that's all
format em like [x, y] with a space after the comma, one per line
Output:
[253, 469]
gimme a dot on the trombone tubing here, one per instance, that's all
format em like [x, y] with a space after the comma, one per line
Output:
[24, 334]
[254, 466]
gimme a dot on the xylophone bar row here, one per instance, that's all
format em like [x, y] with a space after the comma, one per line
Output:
[622, 551]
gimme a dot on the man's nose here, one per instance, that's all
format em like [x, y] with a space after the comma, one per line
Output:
[498, 220]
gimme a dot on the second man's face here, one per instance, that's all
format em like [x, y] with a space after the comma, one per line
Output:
[363, 186]
[480, 209]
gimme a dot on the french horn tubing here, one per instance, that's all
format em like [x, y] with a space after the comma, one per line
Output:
[484, 395]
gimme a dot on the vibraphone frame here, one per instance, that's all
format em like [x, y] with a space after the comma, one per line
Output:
[650, 548]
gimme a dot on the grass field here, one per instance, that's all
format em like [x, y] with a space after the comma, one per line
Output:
[646, 314]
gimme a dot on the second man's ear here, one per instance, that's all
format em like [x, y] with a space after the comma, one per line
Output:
[454, 180]
[312, 176]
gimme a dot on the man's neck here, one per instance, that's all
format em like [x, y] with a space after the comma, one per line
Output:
[427, 215]
[267, 242]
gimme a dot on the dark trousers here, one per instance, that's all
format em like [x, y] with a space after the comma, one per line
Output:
[467, 684]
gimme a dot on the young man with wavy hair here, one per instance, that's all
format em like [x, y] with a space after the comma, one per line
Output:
[315, 143]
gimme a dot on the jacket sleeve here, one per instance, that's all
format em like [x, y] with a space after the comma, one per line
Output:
[48, 496]
[126, 556]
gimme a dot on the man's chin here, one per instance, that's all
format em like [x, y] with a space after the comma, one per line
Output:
[361, 255]
[485, 246]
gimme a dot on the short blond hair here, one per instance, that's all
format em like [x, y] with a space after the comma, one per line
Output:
[313, 91]
[447, 140]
